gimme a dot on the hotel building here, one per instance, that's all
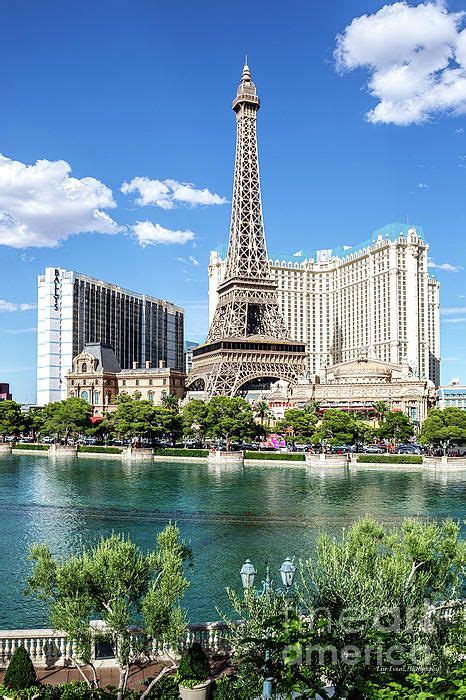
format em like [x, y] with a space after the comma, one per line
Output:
[377, 298]
[452, 396]
[74, 309]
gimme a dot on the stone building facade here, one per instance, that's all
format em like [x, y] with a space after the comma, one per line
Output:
[378, 297]
[356, 386]
[97, 377]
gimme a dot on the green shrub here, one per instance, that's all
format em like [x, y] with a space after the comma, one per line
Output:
[30, 446]
[97, 449]
[227, 688]
[390, 459]
[281, 456]
[432, 685]
[165, 689]
[20, 673]
[50, 692]
[194, 667]
[179, 452]
[75, 690]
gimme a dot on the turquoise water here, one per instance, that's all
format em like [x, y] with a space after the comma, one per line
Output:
[261, 512]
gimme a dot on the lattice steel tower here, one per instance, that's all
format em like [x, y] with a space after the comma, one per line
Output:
[248, 340]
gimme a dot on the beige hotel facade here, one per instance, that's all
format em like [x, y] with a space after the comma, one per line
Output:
[377, 298]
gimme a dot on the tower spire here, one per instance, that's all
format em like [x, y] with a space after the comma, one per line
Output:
[248, 337]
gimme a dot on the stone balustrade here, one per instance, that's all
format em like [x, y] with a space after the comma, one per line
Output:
[48, 648]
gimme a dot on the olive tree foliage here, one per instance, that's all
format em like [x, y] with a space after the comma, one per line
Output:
[270, 620]
[114, 581]
[368, 594]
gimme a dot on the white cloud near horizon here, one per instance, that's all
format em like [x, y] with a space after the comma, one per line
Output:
[416, 58]
[446, 266]
[167, 194]
[452, 310]
[11, 306]
[18, 331]
[42, 205]
[148, 233]
[190, 260]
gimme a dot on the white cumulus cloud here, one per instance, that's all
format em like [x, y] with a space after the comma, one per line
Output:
[13, 306]
[416, 57]
[446, 266]
[41, 204]
[168, 193]
[148, 233]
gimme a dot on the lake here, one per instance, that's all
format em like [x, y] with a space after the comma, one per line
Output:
[264, 513]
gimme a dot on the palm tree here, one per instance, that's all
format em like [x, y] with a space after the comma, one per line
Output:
[262, 411]
[170, 401]
[381, 409]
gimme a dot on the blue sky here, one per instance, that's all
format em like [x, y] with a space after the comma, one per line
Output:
[130, 89]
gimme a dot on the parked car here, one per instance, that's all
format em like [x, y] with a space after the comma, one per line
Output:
[408, 449]
[374, 450]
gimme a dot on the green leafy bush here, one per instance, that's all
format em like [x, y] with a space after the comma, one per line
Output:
[420, 686]
[165, 689]
[30, 446]
[24, 694]
[227, 688]
[194, 667]
[20, 673]
[50, 692]
[390, 459]
[75, 690]
[279, 456]
[179, 452]
[100, 449]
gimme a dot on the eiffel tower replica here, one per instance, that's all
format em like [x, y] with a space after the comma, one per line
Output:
[248, 342]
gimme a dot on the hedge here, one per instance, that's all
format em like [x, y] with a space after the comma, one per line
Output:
[29, 446]
[390, 459]
[179, 452]
[100, 449]
[282, 456]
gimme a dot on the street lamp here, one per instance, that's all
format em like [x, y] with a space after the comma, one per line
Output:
[287, 573]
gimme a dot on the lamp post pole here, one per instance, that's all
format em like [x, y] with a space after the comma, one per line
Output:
[287, 573]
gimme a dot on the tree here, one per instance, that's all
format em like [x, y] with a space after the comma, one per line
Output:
[195, 419]
[262, 411]
[230, 419]
[339, 427]
[442, 425]
[67, 419]
[301, 422]
[381, 409]
[133, 418]
[366, 593]
[396, 426]
[170, 401]
[116, 582]
[11, 418]
[168, 422]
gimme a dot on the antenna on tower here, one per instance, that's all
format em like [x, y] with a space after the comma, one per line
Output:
[245, 59]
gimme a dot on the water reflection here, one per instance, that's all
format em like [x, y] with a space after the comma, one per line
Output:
[228, 514]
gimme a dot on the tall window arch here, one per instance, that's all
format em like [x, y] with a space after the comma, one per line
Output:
[84, 367]
[85, 395]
